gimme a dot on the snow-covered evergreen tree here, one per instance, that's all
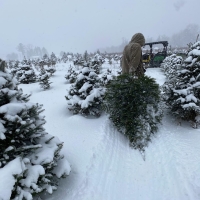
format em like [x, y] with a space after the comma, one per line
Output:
[64, 57]
[45, 58]
[51, 70]
[171, 64]
[71, 74]
[10, 64]
[26, 74]
[182, 93]
[15, 68]
[95, 65]
[43, 79]
[86, 56]
[78, 60]
[53, 59]
[106, 77]
[25, 61]
[85, 95]
[23, 137]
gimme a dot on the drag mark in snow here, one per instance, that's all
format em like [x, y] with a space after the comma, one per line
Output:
[102, 178]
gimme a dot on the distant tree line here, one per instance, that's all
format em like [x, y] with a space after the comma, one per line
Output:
[27, 51]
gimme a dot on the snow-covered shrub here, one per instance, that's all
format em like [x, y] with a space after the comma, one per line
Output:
[95, 65]
[45, 61]
[15, 68]
[99, 58]
[24, 142]
[43, 79]
[134, 108]
[10, 64]
[71, 74]
[51, 70]
[85, 95]
[78, 60]
[106, 77]
[86, 56]
[26, 74]
[64, 57]
[53, 59]
[182, 93]
[171, 64]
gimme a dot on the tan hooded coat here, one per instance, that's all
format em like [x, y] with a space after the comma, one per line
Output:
[132, 56]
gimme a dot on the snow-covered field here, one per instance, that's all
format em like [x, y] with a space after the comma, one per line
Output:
[105, 167]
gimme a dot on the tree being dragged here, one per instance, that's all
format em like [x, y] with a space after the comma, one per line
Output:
[182, 93]
[23, 136]
[134, 108]
[85, 95]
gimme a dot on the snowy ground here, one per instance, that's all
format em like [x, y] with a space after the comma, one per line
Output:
[104, 167]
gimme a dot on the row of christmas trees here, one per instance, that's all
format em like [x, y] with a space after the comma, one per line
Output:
[25, 143]
[182, 87]
[75, 58]
[25, 74]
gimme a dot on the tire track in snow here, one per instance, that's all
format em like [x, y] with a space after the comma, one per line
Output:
[84, 186]
[163, 160]
[114, 167]
[172, 150]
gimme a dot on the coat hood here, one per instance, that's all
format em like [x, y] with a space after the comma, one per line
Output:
[138, 38]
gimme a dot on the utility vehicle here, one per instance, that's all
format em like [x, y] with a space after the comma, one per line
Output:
[154, 60]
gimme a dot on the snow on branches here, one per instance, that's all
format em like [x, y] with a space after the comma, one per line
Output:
[182, 91]
[24, 143]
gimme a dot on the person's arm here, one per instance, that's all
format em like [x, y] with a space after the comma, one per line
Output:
[125, 61]
[135, 56]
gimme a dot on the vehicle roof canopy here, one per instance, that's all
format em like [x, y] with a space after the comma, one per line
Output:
[164, 43]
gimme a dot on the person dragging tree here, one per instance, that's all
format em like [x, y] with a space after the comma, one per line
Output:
[132, 56]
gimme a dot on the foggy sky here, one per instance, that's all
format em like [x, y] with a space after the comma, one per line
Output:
[79, 25]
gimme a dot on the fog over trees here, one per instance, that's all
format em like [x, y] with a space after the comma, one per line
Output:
[180, 39]
[27, 51]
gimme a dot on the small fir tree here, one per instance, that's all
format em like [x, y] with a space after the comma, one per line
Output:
[78, 60]
[26, 74]
[64, 57]
[53, 59]
[71, 74]
[85, 95]
[182, 93]
[45, 58]
[171, 64]
[86, 56]
[15, 68]
[95, 65]
[43, 79]
[51, 70]
[106, 77]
